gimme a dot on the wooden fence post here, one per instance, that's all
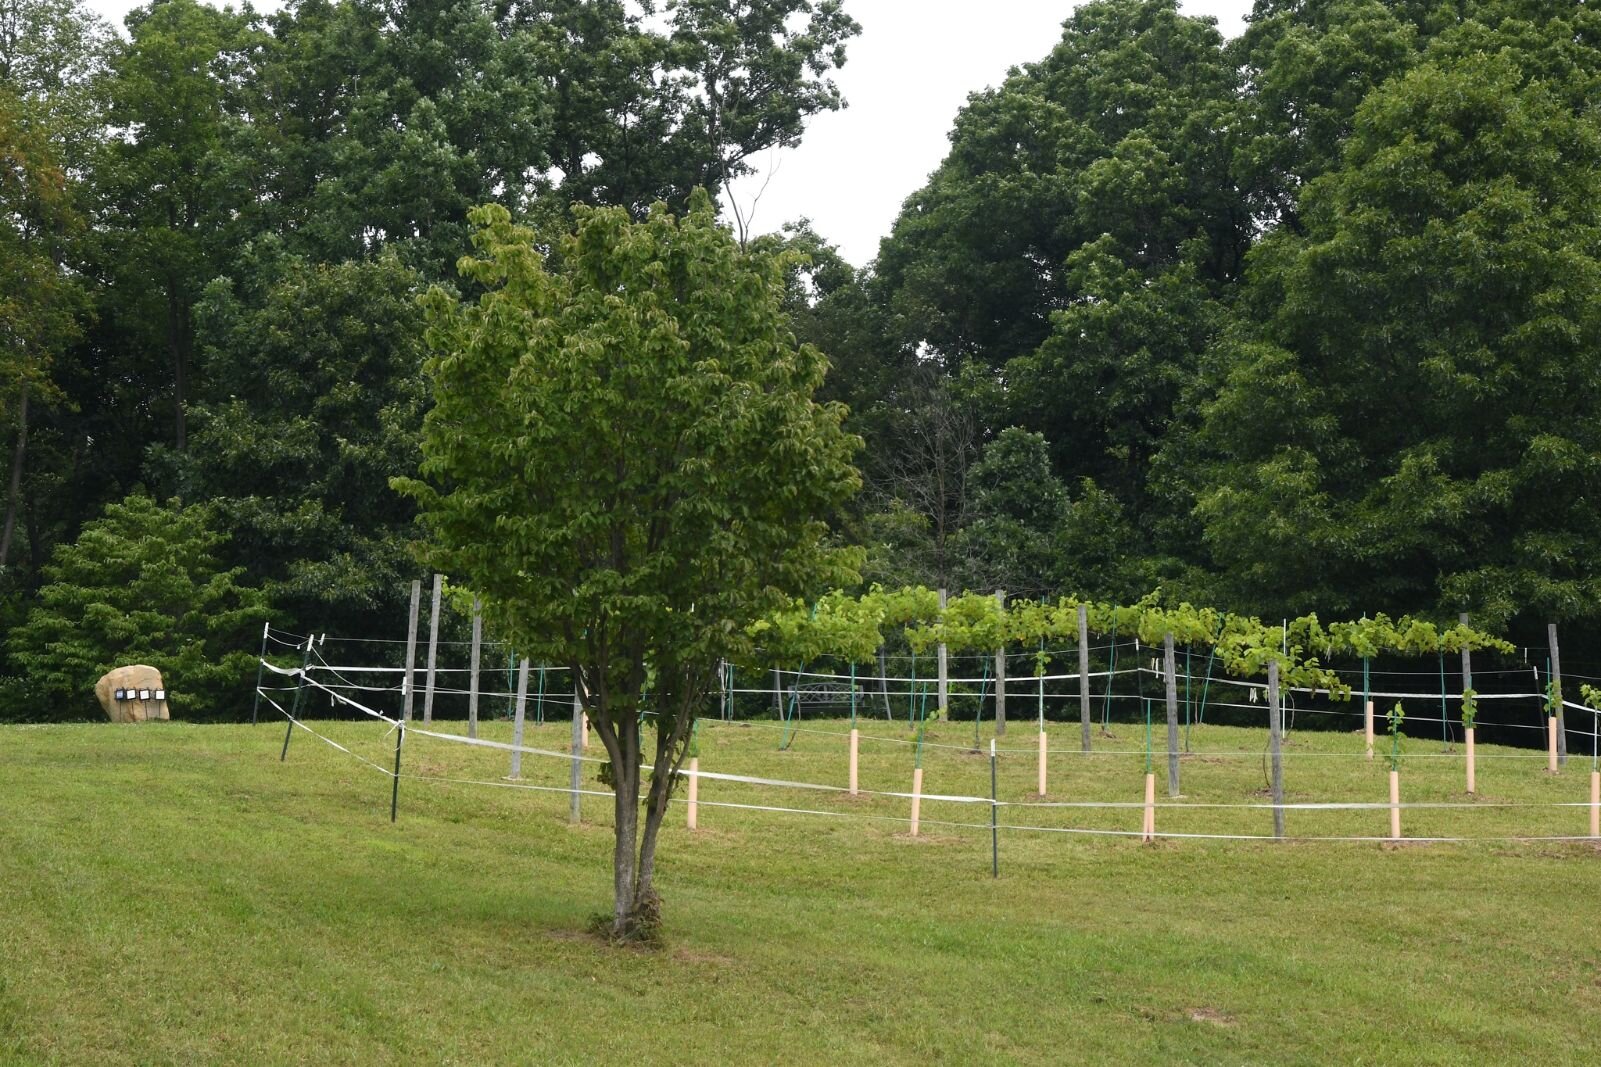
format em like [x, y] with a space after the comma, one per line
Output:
[1084, 677]
[1000, 671]
[575, 774]
[1170, 669]
[472, 681]
[1467, 683]
[944, 680]
[1395, 805]
[433, 652]
[1275, 738]
[693, 807]
[1148, 825]
[1556, 680]
[519, 717]
[917, 797]
[411, 652]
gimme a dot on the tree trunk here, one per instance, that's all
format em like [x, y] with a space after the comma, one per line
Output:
[178, 348]
[625, 869]
[14, 491]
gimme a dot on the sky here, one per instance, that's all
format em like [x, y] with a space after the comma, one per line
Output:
[905, 78]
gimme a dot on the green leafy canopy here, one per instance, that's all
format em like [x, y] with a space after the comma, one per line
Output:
[142, 585]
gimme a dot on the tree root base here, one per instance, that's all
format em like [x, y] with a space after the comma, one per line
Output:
[642, 927]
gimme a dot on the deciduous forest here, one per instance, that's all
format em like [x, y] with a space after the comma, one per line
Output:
[1308, 320]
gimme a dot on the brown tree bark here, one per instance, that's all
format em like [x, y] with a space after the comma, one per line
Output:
[636, 906]
[14, 490]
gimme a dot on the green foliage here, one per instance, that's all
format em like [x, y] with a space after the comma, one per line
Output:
[1379, 635]
[1406, 416]
[1073, 242]
[1395, 717]
[625, 461]
[41, 304]
[1470, 707]
[835, 625]
[977, 622]
[142, 585]
[683, 521]
[1019, 508]
[314, 400]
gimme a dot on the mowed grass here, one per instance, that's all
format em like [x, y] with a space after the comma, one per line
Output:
[175, 894]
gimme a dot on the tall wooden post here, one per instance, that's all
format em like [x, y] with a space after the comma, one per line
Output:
[1467, 683]
[1084, 677]
[944, 681]
[575, 775]
[1275, 737]
[1556, 681]
[519, 717]
[411, 652]
[433, 651]
[1000, 672]
[261, 664]
[294, 707]
[472, 675]
[1170, 668]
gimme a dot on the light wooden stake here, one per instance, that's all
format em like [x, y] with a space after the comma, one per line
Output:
[1148, 828]
[694, 790]
[1595, 803]
[855, 738]
[1043, 751]
[1395, 805]
[917, 798]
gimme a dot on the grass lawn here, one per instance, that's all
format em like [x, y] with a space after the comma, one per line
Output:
[173, 894]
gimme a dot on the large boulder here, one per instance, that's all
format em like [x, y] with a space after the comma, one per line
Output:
[137, 677]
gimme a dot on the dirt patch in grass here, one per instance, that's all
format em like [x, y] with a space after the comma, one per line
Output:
[1212, 1016]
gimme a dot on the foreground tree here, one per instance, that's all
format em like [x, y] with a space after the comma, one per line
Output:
[626, 461]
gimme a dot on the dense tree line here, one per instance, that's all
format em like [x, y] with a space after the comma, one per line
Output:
[1301, 321]
[215, 231]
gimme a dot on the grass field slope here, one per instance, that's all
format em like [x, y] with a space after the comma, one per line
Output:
[174, 894]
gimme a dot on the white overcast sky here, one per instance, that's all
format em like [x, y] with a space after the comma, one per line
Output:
[907, 75]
